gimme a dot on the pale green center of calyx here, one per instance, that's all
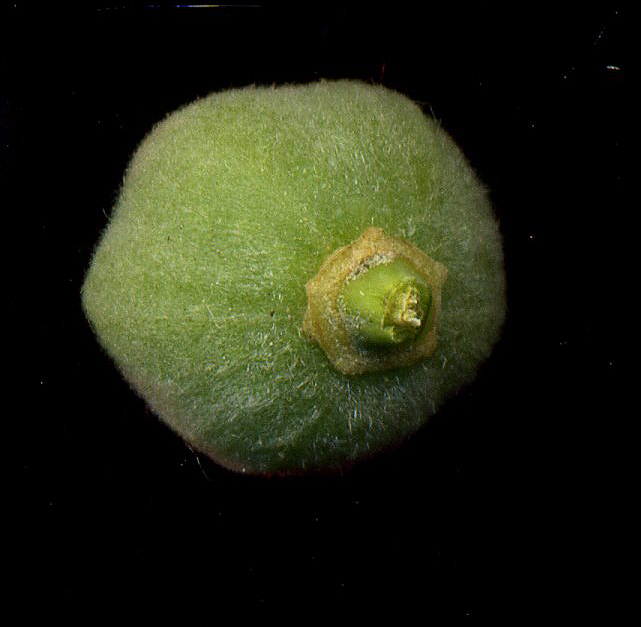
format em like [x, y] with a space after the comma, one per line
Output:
[386, 304]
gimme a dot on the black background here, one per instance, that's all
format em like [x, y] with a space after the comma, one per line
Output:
[490, 509]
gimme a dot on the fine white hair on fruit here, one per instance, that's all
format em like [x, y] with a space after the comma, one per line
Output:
[228, 208]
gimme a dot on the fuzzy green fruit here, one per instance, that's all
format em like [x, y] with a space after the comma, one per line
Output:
[229, 208]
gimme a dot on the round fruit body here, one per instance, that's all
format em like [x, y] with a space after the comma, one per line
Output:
[228, 209]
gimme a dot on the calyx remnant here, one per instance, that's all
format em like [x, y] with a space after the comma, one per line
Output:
[375, 304]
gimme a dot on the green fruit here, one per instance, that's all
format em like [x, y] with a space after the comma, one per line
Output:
[231, 207]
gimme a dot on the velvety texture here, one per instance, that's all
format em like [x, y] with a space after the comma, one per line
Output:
[229, 206]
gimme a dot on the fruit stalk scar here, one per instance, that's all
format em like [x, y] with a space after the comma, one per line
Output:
[386, 304]
[374, 304]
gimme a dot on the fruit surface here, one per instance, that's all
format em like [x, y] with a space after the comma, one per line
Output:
[228, 208]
